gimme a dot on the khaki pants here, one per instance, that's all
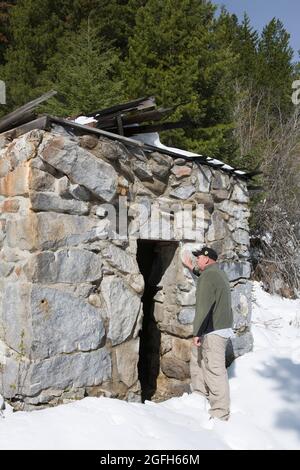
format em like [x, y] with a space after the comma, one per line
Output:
[209, 374]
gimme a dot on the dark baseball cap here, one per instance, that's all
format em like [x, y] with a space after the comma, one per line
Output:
[205, 251]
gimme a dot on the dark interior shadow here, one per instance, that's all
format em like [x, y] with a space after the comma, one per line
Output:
[153, 259]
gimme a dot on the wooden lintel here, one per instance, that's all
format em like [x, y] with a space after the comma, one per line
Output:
[18, 116]
[41, 123]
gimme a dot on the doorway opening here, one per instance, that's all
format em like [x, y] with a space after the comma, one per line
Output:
[153, 258]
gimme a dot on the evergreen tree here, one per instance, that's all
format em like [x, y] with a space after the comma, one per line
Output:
[5, 10]
[176, 54]
[246, 45]
[275, 64]
[114, 19]
[83, 72]
[36, 26]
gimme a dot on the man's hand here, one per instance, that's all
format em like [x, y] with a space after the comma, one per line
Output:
[196, 341]
[187, 261]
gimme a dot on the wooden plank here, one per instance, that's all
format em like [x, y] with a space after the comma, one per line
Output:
[108, 122]
[164, 126]
[94, 130]
[41, 123]
[140, 103]
[17, 116]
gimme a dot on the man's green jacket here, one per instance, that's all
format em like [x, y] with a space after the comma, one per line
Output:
[213, 302]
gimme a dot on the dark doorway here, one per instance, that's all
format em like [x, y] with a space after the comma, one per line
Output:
[153, 258]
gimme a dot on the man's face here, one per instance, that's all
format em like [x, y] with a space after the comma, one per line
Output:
[202, 262]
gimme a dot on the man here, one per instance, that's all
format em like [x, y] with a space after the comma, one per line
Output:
[212, 328]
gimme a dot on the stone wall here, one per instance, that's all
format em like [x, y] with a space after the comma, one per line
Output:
[70, 288]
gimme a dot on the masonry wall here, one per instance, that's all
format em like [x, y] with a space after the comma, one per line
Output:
[70, 289]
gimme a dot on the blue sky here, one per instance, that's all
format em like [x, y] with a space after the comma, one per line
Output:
[262, 11]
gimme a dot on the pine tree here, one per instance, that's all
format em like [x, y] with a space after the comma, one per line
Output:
[5, 10]
[36, 26]
[83, 72]
[275, 66]
[175, 54]
[246, 45]
[114, 19]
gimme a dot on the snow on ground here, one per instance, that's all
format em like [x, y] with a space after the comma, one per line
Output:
[265, 393]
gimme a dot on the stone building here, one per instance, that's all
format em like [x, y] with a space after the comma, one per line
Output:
[94, 302]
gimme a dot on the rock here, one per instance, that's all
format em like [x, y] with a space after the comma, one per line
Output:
[10, 206]
[42, 231]
[206, 200]
[4, 141]
[142, 170]
[204, 178]
[235, 224]
[186, 316]
[15, 183]
[88, 141]
[95, 300]
[236, 271]
[24, 148]
[79, 192]
[120, 259]
[181, 348]
[81, 166]
[220, 194]
[63, 323]
[74, 370]
[111, 151]
[6, 268]
[5, 164]
[162, 159]
[62, 186]
[165, 344]
[241, 297]
[123, 308]
[101, 212]
[136, 282]
[65, 266]
[240, 194]
[157, 187]
[41, 180]
[160, 166]
[42, 202]
[181, 171]
[217, 228]
[122, 182]
[239, 345]
[183, 192]
[220, 181]
[174, 368]
[50, 322]
[233, 209]
[127, 357]
[186, 298]
[180, 161]
[167, 318]
[15, 316]
[241, 236]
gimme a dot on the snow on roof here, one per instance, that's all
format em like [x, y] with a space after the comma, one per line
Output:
[154, 139]
[83, 120]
